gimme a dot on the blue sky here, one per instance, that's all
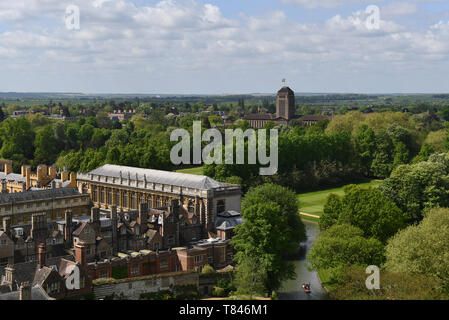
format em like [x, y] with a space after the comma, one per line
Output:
[224, 46]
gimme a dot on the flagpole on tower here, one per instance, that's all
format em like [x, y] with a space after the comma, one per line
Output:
[283, 81]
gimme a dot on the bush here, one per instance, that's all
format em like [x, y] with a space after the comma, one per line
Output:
[218, 292]
[207, 269]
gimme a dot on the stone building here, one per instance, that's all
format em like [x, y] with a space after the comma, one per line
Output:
[50, 274]
[44, 178]
[285, 112]
[201, 198]
[20, 206]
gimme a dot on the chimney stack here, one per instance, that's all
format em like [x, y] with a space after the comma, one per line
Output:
[25, 291]
[64, 175]
[80, 254]
[28, 178]
[114, 228]
[73, 179]
[8, 168]
[95, 219]
[41, 255]
[52, 172]
[143, 216]
[7, 225]
[68, 228]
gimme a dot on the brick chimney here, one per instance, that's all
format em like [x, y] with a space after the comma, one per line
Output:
[25, 291]
[7, 225]
[143, 217]
[68, 228]
[73, 179]
[113, 216]
[8, 168]
[28, 177]
[52, 172]
[23, 171]
[95, 219]
[64, 175]
[80, 254]
[41, 255]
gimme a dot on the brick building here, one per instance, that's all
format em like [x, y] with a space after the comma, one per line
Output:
[201, 198]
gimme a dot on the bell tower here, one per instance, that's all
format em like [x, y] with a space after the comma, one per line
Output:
[285, 103]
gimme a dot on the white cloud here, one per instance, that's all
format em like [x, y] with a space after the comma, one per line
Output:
[186, 41]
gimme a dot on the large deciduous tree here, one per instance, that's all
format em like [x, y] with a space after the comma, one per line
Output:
[423, 248]
[272, 229]
[365, 208]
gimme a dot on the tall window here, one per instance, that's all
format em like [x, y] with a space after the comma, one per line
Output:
[109, 196]
[159, 202]
[94, 194]
[125, 199]
[102, 195]
[117, 197]
[133, 200]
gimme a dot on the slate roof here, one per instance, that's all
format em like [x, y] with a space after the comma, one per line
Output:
[58, 181]
[37, 293]
[12, 177]
[228, 220]
[25, 271]
[38, 195]
[158, 176]
[260, 116]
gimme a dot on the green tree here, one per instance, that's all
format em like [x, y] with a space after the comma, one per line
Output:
[250, 277]
[419, 186]
[45, 146]
[342, 245]
[423, 248]
[367, 209]
[272, 229]
[18, 137]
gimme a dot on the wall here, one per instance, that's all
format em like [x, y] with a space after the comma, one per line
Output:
[132, 288]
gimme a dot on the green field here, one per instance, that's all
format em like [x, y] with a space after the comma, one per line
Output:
[313, 202]
[196, 170]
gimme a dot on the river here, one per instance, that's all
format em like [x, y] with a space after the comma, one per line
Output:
[291, 289]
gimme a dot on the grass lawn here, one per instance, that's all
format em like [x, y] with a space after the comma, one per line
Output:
[313, 202]
[196, 170]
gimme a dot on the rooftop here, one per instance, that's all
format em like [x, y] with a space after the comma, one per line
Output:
[38, 195]
[158, 176]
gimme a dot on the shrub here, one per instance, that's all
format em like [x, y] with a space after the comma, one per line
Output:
[207, 269]
[218, 292]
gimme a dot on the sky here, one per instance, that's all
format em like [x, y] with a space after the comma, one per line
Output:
[224, 46]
